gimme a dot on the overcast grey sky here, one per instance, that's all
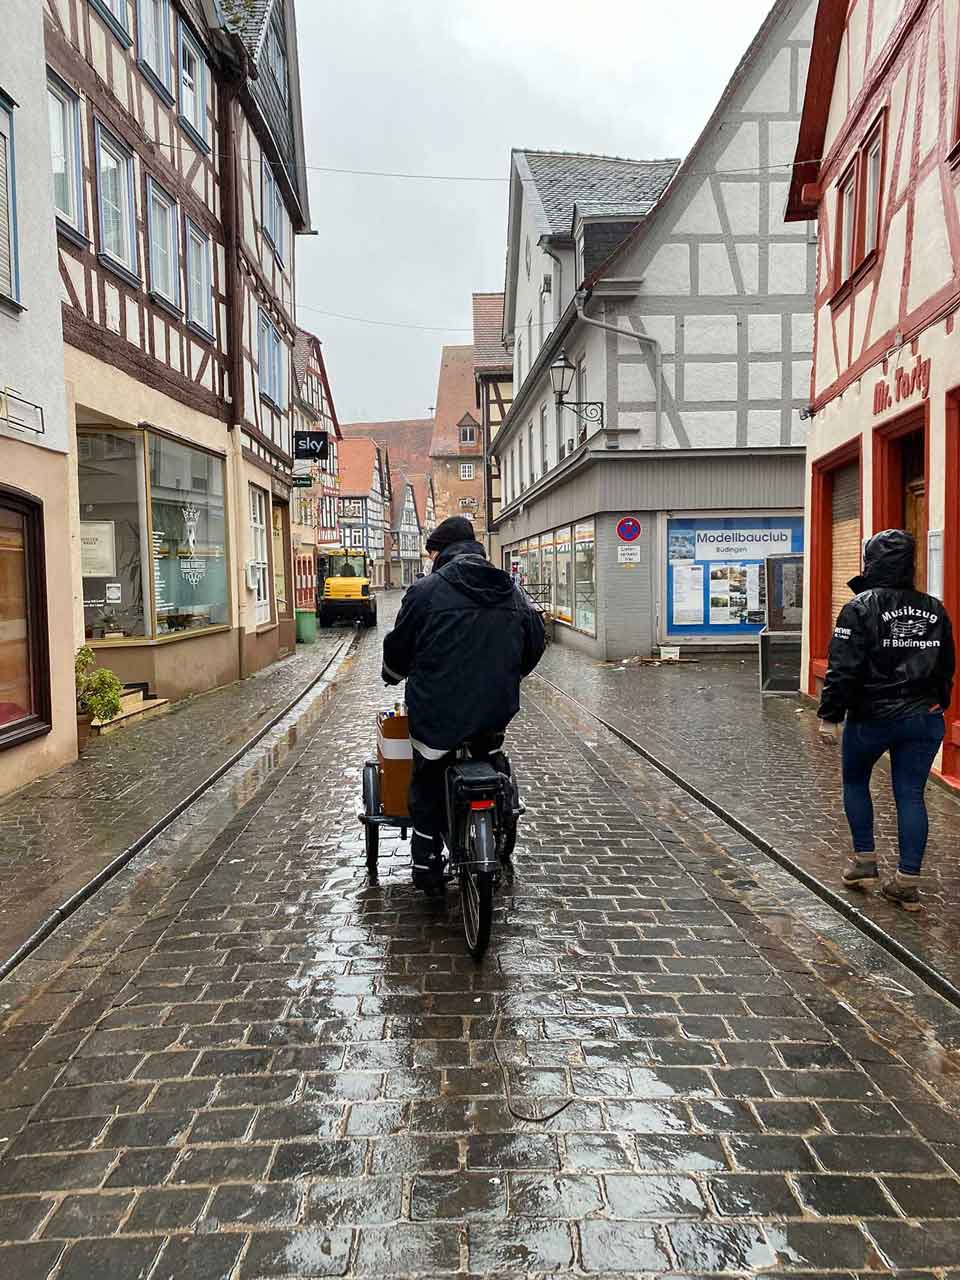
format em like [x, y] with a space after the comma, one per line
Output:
[448, 87]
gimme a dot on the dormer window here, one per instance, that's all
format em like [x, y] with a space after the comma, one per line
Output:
[468, 435]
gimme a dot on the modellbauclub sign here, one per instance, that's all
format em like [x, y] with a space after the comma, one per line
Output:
[310, 445]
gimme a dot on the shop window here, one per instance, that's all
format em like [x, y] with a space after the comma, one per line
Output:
[188, 531]
[24, 664]
[152, 536]
[547, 571]
[563, 605]
[258, 552]
[585, 584]
[63, 110]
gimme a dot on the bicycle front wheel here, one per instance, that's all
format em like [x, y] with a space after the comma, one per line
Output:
[476, 884]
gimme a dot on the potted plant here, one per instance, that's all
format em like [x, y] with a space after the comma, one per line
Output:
[98, 693]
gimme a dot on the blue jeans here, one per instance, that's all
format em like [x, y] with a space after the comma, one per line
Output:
[913, 743]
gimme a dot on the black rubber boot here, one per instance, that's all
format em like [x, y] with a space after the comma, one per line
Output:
[904, 891]
[860, 870]
[427, 855]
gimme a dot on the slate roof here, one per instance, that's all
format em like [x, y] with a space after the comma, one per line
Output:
[456, 397]
[489, 353]
[562, 179]
[407, 442]
[358, 458]
[611, 208]
[247, 19]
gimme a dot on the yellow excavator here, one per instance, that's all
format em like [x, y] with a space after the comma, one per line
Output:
[346, 590]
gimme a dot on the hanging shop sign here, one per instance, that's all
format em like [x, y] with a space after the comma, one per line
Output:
[715, 579]
[629, 529]
[311, 445]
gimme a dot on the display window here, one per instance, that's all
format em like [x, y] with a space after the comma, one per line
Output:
[715, 580]
[152, 536]
[24, 663]
[585, 581]
[563, 593]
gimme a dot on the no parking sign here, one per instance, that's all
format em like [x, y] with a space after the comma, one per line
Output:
[629, 529]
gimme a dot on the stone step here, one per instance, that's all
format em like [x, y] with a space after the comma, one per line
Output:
[139, 710]
[131, 697]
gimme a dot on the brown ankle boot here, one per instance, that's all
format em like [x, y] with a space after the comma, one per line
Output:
[904, 891]
[861, 869]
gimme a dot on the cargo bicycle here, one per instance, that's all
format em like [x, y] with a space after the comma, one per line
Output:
[483, 810]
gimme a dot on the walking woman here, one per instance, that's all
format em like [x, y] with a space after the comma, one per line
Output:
[890, 673]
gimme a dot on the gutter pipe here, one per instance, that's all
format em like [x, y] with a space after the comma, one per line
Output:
[579, 301]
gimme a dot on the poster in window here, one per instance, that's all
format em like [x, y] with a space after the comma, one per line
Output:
[688, 595]
[98, 549]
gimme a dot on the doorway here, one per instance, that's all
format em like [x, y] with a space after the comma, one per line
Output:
[900, 495]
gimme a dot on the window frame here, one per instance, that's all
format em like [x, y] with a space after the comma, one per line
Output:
[544, 451]
[13, 298]
[118, 27]
[277, 62]
[200, 135]
[265, 326]
[104, 140]
[160, 78]
[40, 721]
[194, 231]
[156, 191]
[60, 90]
[468, 434]
[467, 471]
[259, 506]
[856, 207]
[271, 208]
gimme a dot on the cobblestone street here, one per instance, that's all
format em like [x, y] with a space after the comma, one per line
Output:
[774, 775]
[272, 1069]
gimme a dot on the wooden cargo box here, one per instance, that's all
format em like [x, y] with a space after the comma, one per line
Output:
[395, 758]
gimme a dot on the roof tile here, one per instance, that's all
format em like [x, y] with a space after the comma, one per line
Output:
[608, 183]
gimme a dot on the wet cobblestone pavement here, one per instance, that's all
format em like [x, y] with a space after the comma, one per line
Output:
[762, 762]
[266, 1067]
[59, 832]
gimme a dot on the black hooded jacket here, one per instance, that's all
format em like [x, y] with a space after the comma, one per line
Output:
[463, 640]
[892, 650]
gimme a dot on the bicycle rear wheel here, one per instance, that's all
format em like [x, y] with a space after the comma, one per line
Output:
[477, 882]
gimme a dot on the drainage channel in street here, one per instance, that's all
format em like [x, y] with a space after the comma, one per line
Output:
[930, 976]
[210, 805]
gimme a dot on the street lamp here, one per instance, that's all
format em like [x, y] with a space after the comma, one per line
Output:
[562, 373]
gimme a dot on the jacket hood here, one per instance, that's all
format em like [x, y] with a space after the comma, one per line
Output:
[465, 567]
[888, 561]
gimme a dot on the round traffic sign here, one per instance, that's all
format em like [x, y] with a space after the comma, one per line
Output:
[628, 529]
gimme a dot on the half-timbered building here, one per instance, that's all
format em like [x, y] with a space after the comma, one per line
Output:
[176, 269]
[314, 521]
[38, 724]
[493, 375]
[457, 446]
[877, 167]
[365, 503]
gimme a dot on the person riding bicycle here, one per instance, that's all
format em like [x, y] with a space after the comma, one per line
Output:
[463, 640]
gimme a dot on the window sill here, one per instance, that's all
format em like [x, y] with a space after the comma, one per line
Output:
[23, 731]
[269, 400]
[118, 269]
[264, 627]
[200, 332]
[117, 29]
[197, 138]
[73, 234]
[11, 305]
[150, 642]
[859, 274]
[156, 84]
[166, 305]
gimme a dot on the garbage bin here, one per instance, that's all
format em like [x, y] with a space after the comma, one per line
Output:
[306, 626]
